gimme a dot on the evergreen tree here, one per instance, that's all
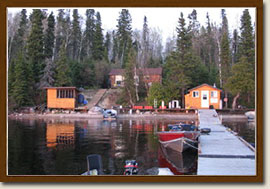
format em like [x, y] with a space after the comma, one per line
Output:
[98, 46]
[225, 56]
[47, 80]
[184, 43]
[124, 36]
[35, 47]
[115, 47]
[49, 37]
[145, 43]
[241, 81]
[88, 36]
[107, 46]
[59, 34]
[235, 47]
[129, 92]
[19, 40]
[17, 46]
[62, 75]
[75, 38]
[246, 44]
[20, 92]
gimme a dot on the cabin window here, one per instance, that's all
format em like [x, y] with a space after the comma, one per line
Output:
[65, 93]
[213, 94]
[195, 94]
[118, 83]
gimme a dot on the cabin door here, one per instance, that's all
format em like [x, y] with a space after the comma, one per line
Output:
[205, 99]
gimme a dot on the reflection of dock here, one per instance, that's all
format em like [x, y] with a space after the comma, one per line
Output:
[221, 152]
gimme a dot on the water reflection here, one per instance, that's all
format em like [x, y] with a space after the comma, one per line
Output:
[244, 129]
[60, 147]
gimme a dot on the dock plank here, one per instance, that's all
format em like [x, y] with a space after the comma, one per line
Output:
[221, 152]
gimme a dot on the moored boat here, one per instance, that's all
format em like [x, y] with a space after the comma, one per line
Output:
[179, 140]
[180, 137]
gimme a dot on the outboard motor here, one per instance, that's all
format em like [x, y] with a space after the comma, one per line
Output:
[131, 167]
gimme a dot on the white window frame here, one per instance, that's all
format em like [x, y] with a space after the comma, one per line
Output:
[196, 94]
[214, 94]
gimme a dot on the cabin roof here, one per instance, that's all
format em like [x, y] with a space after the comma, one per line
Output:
[202, 85]
[60, 88]
[145, 71]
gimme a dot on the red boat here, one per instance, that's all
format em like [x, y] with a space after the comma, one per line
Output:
[179, 140]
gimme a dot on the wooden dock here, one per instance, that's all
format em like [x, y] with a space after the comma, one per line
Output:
[222, 152]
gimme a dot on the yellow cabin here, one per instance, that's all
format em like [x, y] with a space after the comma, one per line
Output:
[61, 97]
[203, 97]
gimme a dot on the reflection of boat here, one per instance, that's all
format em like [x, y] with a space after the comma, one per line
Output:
[178, 163]
[179, 140]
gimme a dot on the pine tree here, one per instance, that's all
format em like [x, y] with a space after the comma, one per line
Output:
[35, 46]
[20, 92]
[235, 47]
[241, 81]
[246, 44]
[124, 36]
[107, 46]
[49, 37]
[17, 46]
[47, 80]
[225, 56]
[75, 38]
[145, 43]
[184, 43]
[129, 91]
[88, 35]
[98, 46]
[19, 40]
[59, 33]
[62, 75]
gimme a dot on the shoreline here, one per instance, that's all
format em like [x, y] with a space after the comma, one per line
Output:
[86, 116]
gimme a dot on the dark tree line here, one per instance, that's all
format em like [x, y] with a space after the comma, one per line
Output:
[47, 50]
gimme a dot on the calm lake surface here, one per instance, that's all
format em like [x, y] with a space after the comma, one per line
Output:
[60, 147]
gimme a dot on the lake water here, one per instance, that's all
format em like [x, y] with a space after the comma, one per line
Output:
[60, 147]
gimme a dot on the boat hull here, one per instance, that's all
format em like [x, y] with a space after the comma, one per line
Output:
[178, 141]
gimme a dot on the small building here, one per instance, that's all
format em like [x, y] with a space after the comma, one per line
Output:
[203, 97]
[150, 75]
[62, 97]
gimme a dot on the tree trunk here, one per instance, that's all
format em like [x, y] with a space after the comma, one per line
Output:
[235, 100]
[183, 97]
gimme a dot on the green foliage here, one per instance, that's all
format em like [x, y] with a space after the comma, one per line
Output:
[156, 91]
[35, 46]
[63, 73]
[129, 82]
[123, 35]
[98, 46]
[241, 80]
[20, 87]
[247, 45]
[49, 37]
[75, 38]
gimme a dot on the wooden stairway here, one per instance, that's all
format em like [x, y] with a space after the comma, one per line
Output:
[94, 101]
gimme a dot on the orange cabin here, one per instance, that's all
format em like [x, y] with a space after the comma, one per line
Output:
[203, 97]
[61, 97]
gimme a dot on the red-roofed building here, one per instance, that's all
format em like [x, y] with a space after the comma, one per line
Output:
[151, 75]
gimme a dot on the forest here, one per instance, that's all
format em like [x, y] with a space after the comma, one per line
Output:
[46, 50]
